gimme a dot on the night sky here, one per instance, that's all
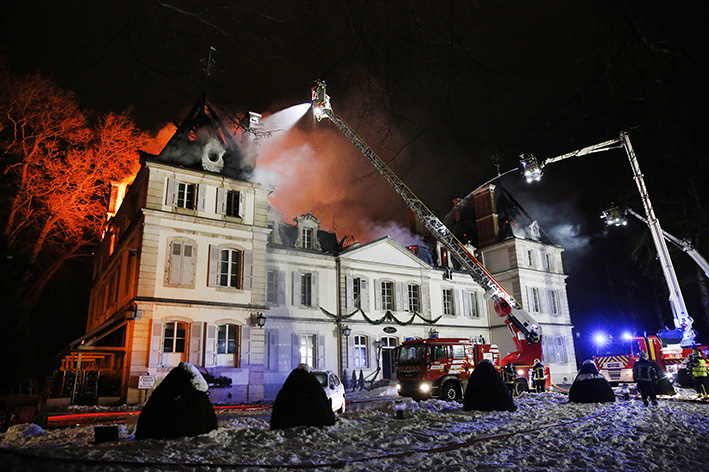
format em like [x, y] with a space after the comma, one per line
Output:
[442, 91]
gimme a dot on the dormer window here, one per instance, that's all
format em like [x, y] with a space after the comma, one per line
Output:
[306, 237]
[534, 230]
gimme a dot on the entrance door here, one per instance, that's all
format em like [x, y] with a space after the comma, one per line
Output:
[388, 358]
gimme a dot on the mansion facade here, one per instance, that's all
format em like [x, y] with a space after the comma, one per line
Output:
[197, 266]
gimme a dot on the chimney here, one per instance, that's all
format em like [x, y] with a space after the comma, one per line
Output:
[486, 215]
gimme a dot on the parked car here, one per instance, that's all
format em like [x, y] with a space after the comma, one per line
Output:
[334, 389]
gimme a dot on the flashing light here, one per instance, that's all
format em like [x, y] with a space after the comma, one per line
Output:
[531, 169]
[600, 339]
[627, 336]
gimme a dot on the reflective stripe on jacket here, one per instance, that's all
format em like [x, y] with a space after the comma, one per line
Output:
[538, 373]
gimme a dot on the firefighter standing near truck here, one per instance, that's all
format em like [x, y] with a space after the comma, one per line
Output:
[508, 375]
[645, 373]
[698, 367]
[539, 376]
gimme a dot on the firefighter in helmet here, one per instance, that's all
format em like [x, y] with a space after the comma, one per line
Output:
[539, 376]
[508, 375]
[698, 368]
[646, 374]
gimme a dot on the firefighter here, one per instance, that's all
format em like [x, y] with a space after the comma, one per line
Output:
[539, 376]
[508, 375]
[698, 368]
[646, 374]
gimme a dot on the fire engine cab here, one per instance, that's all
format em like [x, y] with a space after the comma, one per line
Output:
[439, 367]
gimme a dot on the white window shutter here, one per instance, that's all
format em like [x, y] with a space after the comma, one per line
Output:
[220, 208]
[156, 338]
[295, 350]
[210, 345]
[281, 280]
[296, 288]
[399, 296]
[424, 299]
[213, 275]
[349, 292]
[175, 276]
[407, 301]
[171, 192]
[187, 264]
[201, 196]
[196, 343]
[377, 294]
[314, 290]
[364, 293]
[321, 352]
[244, 340]
[466, 302]
[241, 204]
[248, 268]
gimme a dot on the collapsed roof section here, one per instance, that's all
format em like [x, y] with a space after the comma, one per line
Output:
[490, 215]
[203, 141]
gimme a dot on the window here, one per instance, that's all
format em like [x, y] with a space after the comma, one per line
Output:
[186, 194]
[271, 350]
[181, 263]
[357, 292]
[360, 351]
[308, 346]
[444, 257]
[530, 257]
[232, 203]
[272, 287]
[534, 302]
[306, 289]
[439, 352]
[230, 268]
[307, 237]
[227, 337]
[387, 295]
[555, 349]
[553, 302]
[448, 302]
[549, 262]
[474, 309]
[174, 337]
[414, 304]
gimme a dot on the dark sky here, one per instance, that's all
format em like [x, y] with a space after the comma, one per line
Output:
[437, 89]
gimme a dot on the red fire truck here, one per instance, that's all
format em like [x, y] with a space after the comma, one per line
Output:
[616, 358]
[439, 367]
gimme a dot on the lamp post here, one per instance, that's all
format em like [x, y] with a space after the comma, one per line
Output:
[533, 171]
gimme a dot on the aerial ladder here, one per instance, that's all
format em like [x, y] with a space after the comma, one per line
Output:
[525, 331]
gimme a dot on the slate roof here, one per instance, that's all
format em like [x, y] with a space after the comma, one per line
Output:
[328, 241]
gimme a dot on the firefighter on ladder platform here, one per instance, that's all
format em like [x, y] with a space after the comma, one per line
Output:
[539, 376]
[698, 367]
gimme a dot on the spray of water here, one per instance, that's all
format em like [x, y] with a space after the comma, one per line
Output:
[283, 120]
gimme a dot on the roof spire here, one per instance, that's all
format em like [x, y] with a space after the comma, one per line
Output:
[208, 65]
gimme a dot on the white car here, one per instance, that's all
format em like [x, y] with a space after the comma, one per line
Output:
[334, 389]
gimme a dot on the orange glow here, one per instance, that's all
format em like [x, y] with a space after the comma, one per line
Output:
[156, 144]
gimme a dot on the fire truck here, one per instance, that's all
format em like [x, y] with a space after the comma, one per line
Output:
[616, 358]
[523, 328]
[439, 367]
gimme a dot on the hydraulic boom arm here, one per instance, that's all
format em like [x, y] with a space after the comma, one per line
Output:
[506, 306]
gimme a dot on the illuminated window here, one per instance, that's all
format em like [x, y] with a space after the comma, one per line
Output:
[186, 195]
[554, 348]
[227, 339]
[448, 302]
[174, 337]
[230, 268]
[444, 257]
[232, 203]
[308, 350]
[414, 298]
[359, 351]
[387, 295]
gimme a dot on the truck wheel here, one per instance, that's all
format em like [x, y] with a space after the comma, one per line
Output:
[450, 391]
[521, 386]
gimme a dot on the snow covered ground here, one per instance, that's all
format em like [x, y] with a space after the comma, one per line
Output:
[545, 433]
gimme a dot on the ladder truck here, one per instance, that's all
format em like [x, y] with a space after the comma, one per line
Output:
[525, 331]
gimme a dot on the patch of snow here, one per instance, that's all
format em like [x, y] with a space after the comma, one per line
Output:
[197, 380]
[545, 433]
